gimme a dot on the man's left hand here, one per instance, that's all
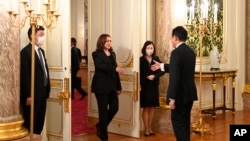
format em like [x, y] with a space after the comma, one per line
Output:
[172, 104]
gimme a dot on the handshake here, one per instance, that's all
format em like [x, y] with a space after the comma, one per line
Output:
[156, 66]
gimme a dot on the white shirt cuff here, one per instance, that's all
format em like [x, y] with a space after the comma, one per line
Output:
[162, 67]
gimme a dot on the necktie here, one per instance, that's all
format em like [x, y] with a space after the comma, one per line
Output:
[41, 58]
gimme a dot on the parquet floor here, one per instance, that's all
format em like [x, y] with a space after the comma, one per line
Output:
[220, 128]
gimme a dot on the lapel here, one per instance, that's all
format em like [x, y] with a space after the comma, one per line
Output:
[36, 55]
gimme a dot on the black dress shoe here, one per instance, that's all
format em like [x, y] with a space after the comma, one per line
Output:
[98, 132]
[146, 134]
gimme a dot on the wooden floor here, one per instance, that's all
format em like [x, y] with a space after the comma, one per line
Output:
[219, 127]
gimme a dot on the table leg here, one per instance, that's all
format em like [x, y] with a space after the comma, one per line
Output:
[214, 91]
[233, 93]
[224, 95]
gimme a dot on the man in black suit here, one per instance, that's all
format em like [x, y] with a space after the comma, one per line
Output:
[182, 89]
[76, 57]
[41, 86]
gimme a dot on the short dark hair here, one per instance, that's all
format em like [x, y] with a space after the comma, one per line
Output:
[37, 28]
[143, 50]
[101, 42]
[73, 40]
[180, 32]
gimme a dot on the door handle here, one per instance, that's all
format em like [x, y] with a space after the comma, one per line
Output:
[65, 95]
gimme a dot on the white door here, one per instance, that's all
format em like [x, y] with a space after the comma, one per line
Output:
[58, 119]
[125, 21]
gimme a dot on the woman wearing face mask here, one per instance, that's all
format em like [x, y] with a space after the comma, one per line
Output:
[149, 81]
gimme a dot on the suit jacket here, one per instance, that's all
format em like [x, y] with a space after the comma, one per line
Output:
[182, 86]
[40, 91]
[75, 60]
[145, 70]
[79, 54]
[105, 79]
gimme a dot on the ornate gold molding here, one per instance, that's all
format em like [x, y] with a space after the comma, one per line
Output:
[65, 94]
[59, 68]
[56, 83]
[136, 86]
[128, 62]
[247, 88]
[126, 77]
[12, 130]
[163, 105]
[215, 75]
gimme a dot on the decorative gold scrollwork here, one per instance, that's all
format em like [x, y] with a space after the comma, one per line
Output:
[65, 95]
[127, 62]
[136, 87]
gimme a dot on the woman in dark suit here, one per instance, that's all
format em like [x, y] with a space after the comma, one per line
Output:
[182, 89]
[105, 84]
[149, 81]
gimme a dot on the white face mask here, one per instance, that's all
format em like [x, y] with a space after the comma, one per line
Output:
[149, 52]
[40, 40]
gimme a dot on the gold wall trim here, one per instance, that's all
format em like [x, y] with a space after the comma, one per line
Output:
[136, 86]
[128, 62]
[247, 89]
[163, 105]
[216, 75]
[12, 130]
[214, 86]
[56, 68]
[126, 77]
[56, 83]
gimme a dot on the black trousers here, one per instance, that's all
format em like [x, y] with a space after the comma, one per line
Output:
[108, 106]
[180, 117]
[39, 115]
[75, 84]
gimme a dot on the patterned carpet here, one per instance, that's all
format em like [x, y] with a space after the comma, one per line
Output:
[79, 116]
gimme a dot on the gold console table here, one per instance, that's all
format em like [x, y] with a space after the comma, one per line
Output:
[223, 74]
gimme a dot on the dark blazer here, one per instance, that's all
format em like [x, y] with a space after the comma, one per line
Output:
[182, 86]
[105, 78]
[79, 54]
[145, 71]
[40, 91]
[75, 60]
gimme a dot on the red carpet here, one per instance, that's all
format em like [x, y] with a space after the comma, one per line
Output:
[79, 115]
